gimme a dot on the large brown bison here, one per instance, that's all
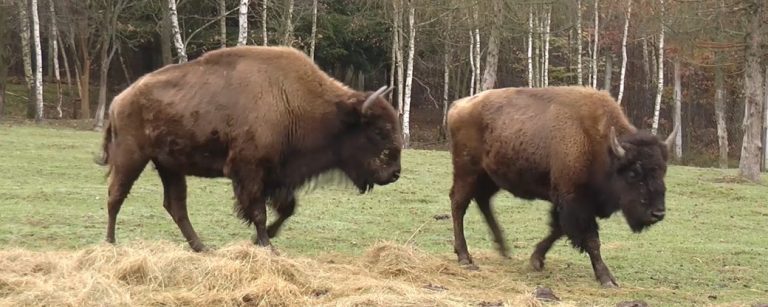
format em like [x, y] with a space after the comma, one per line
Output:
[265, 117]
[571, 146]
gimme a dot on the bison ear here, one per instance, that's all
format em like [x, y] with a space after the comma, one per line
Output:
[349, 112]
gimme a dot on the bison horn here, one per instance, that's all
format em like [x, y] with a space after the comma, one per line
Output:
[671, 137]
[615, 146]
[368, 102]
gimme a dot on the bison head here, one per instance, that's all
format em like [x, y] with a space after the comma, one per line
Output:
[637, 176]
[371, 142]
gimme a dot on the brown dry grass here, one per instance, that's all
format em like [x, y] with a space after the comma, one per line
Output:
[241, 274]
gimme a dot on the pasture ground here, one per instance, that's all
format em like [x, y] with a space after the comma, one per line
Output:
[712, 249]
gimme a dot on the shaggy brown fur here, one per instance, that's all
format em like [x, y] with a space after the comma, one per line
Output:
[556, 144]
[266, 117]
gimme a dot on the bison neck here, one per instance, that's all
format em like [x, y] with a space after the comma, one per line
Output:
[299, 166]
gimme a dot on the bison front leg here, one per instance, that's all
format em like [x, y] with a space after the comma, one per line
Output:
[555, 233]
[582, 231]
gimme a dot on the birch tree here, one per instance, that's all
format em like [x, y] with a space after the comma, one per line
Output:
[660, 72]
[223, 23]
[54, 42]
[288, 37]
[676, 112]
[722, 128]
[627, 15]
[26, 55]
[530, 48]
[749, 162]
[476, 30]
[492, 59]
[409, 74]
[595, 48]
[177, 41]
[242, 34]
[765, 120]
[545, 65]
[38, 63]
[579, 65]
[264, 22]
[473, 68]
[5, 52]
[314, 30]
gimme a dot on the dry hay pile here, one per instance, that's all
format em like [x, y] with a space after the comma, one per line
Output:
[144, 274]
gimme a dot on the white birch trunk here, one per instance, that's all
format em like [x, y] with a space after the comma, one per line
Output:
[545, 68]
[765, 120]
[530, 47]
[722, 126]
[223, 23]
[288, 39]
[492, 59]
[478, 71]
[54, 42]
[627, 15]
[660, 72]
[646, 65]
[242, 17]
[314, 30]
[409, 74]
[595, 48]
[65, 60]
[446, 85]
[38, 63]
[177, 42]
[472, 63]
[608, 73]
[676, 116]
[579, 67]
[264, 22]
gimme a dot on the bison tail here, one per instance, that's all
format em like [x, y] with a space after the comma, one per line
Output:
[104, 159]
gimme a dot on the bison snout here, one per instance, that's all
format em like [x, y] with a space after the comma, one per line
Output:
[658, 214]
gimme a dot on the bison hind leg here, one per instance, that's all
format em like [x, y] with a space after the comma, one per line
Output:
[126, 167]
[485, 189]
[175, 202]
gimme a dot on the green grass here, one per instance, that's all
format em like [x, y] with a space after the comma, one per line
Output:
[711, 249]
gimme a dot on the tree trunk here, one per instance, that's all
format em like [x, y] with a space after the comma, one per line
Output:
[264, 22]
[288, 38]
[545, 68]
[54, 42]
[67, 73]
[749, 163]
[646, 65]
[177, 41]
[314, 30]
[409, 74]
[627, 16]
[492, 59]
[530, 46]
[478, 71]
[579, 64]
[595, 48]
[765, 120]
[38, 63]
[85, 74]
[398, 28]
[608, 72]
[5, 57]
[660, 72]
[676, 114]
[722, 127]
[242, 34]
[472, 62]
[223, 23]
[166, 34]
[537, 49]
[446, 83]
[26, 55]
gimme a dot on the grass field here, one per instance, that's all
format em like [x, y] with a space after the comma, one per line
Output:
[711, 249]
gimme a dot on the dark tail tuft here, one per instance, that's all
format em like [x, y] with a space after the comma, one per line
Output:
[104, 159]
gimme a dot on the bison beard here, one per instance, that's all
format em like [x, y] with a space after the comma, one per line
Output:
[265, 117]
[571, 146]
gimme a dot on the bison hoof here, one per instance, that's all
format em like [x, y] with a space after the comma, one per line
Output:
[468, 265]
[109, 240]
[537, 263]
[610, 284]
[199, 248]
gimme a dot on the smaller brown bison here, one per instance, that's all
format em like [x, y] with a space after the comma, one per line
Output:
[265, 117]
[571, 146]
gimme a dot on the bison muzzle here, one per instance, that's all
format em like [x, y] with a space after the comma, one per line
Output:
[571, 146]
[265, 117]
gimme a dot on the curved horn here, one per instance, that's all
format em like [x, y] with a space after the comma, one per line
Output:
[368, 102]
[615, 146]
[671, 137]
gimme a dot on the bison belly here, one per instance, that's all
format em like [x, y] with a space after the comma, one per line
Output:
[203, 159]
